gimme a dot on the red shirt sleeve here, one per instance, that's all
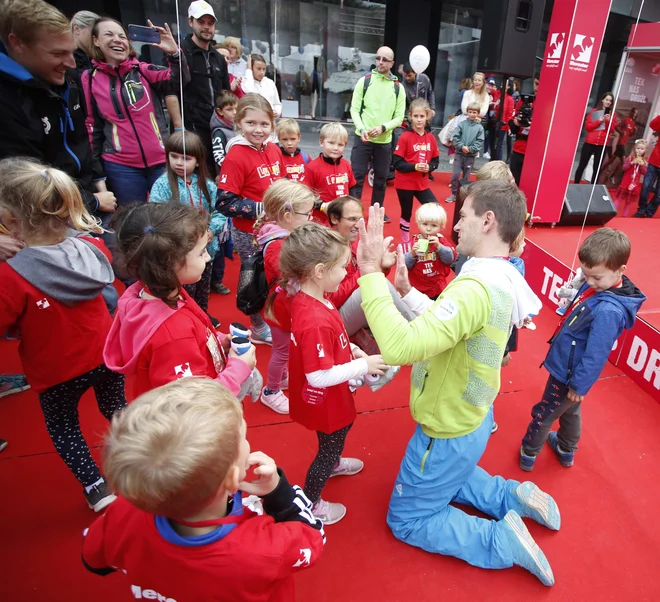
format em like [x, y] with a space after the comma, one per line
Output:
[302, 547]
[311, 176]
[98, 243]
[435, 151]
[401, 146]
[176, 359]
[351, 178]
[232, 174]
[317, 345]
[12, 299]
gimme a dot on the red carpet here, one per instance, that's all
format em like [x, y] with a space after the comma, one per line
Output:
[606, 549]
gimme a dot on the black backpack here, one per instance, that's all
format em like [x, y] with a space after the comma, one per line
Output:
[252, 290]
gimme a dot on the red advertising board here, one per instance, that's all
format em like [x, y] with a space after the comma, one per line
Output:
[636, 353]
[574, 40]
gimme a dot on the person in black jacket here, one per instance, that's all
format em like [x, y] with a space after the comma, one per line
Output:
[81, 27]
[208, 74]
[43, 106]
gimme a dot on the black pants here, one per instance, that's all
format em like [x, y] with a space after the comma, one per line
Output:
[330, 448]
[201, 290]
[406, 198]
[380, 157]
[516, 166]
[59, 405]
[588, 151]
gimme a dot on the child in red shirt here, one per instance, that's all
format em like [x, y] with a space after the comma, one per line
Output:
[416, 155]
[287, 205]
[159, 333]
[52, 293]
[178, 457]
[251, 165]
[431, 255]
[634, 170]
[294, 160]
[330, 175]
[322, 360]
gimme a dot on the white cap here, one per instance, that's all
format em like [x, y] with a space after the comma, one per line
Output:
[199, 8]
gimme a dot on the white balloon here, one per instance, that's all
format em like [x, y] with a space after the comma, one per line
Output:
[419, 58]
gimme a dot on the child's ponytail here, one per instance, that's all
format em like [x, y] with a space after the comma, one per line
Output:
[45, 201]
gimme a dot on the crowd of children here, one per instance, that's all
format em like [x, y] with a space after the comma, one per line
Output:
[179, 452]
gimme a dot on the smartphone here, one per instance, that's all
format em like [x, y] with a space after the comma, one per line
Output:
[140, 33]
[608, 110]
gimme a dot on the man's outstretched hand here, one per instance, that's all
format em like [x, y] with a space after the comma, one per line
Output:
[372, 245]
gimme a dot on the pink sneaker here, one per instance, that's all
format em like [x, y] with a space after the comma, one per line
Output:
[347, 467]
[277, 401]
[329, 512]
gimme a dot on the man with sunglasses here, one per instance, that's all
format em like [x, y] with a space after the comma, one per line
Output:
[377, 108]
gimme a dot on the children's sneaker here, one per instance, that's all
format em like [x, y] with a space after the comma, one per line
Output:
[487, 156]
[219, 289]
[529, 325]
[99, 497]
[3, 444]
[276, 401]
[451, 199]
[526, 552]
[347, 467]
[493, 428]
[262, 337]
[533, 503]
[329, 512]
[12, 383]
[565, 458]
[526, 462]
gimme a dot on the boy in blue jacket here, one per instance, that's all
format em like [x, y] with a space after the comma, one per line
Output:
[605, 304]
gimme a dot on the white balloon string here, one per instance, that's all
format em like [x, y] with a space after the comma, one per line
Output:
[602, 152]
[183, 123]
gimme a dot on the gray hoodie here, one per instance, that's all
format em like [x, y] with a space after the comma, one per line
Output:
[70, 272]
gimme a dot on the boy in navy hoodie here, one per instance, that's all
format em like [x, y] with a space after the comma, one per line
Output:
[605, 305]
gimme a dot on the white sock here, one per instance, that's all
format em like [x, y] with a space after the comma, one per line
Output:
[90, 487]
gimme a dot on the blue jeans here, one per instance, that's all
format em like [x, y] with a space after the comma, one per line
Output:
[435, 472]
[131, 184]
[651, 182]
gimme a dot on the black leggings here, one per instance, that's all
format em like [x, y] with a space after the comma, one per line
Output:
[588, 151]
[60, 407]
[330, 448]
[201, 289]
[406, 200]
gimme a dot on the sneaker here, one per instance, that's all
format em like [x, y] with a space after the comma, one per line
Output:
[99, 497]
[276, 401]
[494, 428]
[219, 289]
[526, 552]
[565, 458]
[3, 444]
[526, 462]
[529, 325]
[12, 383]
[262, 337]
[533, 503]
[329, 512]
[451, 198]
[639, 214]
[487, 156]
[347, 467]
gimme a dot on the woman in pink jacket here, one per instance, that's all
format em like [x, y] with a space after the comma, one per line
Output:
[124, 109]
[600, 125]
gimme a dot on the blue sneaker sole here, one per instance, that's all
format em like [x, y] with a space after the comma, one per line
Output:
[538, 505]
[526, 552]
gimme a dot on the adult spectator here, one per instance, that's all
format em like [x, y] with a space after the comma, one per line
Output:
[125, 112]
[237, 64]
[375, 113]
[520, 125]
[652, 177]
[600, 125]
[466, 84]
[478, 93]
[43, 108]
[417, 86]
[491, 121]
[234, 82]
[456, 345]
[208, 75]
[81, 27]
[625, 129]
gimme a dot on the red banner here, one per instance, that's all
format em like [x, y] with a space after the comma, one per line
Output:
[574, 40]
[637, 351]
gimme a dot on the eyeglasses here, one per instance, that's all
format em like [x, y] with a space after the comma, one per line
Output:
[309, 214]
[384, 59]
[352, 220]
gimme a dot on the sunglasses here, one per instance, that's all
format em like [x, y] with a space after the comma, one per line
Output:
[384, 59]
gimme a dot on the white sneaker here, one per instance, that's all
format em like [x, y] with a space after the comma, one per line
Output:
[347, 467]
[277, 401]
[329, 512]
[263, 337]
[530, 325]
[487, 156]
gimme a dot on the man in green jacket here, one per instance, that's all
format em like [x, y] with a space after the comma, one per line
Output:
[456, 345]
[375, 114]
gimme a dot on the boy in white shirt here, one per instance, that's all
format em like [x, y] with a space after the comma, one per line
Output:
[255, 80]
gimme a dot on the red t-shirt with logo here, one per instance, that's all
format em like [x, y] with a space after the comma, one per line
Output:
[413, 148]
[249, 172]
[429, 275]
[330, 179]
[294, 167]
[318, 342]
[628, 128]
